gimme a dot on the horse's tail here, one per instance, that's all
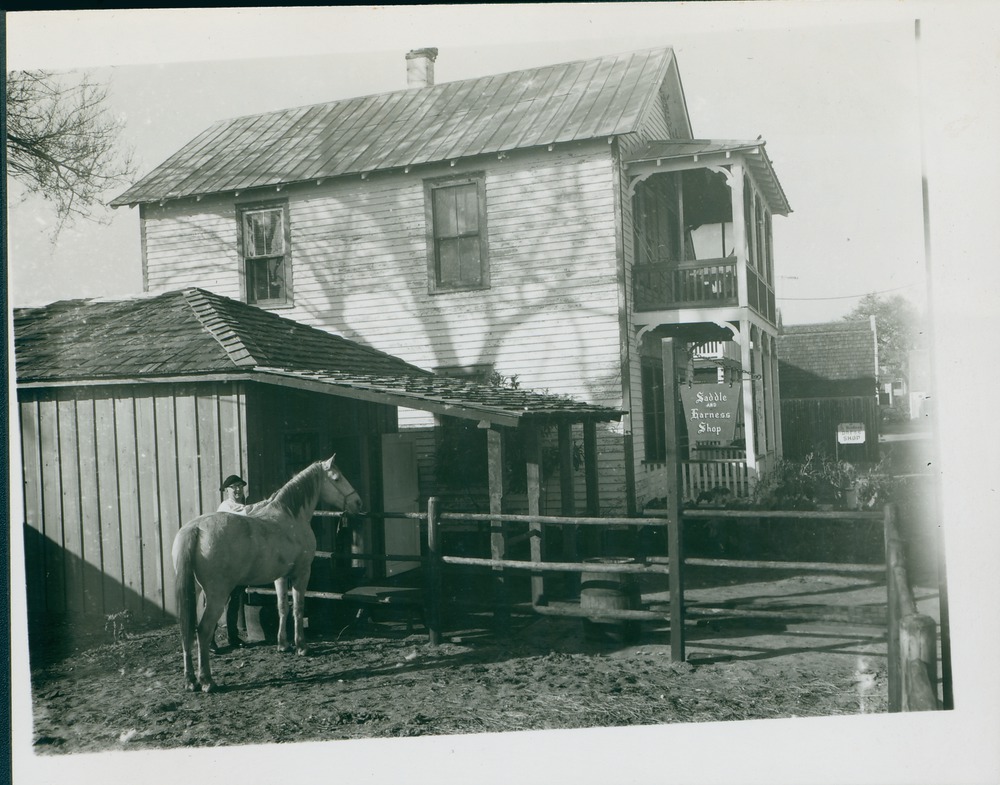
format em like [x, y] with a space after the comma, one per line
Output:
[186, 593]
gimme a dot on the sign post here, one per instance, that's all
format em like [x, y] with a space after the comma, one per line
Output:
[675, 530]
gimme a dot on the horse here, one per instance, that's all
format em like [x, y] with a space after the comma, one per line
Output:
[273, 542]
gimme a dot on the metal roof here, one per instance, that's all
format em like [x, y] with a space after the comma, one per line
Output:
[752, 152]
[192, 335]
[569, 102]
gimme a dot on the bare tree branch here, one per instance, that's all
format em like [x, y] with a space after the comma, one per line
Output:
[62, 142]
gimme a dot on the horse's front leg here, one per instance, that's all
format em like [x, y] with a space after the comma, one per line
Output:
[300, 582]
[281, 589]
[298, 606]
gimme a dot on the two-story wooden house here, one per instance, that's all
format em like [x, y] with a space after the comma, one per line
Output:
[550, 224]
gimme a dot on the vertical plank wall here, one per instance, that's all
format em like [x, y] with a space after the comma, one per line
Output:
[110, 475]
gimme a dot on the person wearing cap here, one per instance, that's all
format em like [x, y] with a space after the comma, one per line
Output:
[234, 500]
[233, 496]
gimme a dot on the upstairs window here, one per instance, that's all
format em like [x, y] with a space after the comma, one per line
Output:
[264, 245]
[456, 243]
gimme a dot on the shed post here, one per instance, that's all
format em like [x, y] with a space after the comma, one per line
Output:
[533, 467]
[567, 491]
[675, 530]
[567, 502]
[494, 446]
[591, 476]
[433, 573]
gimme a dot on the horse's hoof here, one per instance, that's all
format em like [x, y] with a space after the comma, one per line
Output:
[190, 686]
[207, 686]
[302, 651]
[284, 648]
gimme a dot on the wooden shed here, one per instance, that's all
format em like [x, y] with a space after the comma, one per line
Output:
[829, 373]
[133, 411]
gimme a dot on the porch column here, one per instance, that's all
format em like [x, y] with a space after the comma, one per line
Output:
[567, 490]
[749, 416]
[767, 380]
[592, 534]
[776, 396]
[533, 467]
[757, 370]
[740, 240]
[494, 447]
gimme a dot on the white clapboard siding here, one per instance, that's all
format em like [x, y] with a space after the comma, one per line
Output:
[359, 269]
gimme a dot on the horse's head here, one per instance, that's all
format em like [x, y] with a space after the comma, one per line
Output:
[336, 491]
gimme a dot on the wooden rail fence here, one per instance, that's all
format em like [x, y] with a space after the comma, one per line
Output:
[912, 635]
[912, 639]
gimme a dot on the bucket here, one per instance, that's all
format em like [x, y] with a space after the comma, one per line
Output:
[601, 592]
[262, 621]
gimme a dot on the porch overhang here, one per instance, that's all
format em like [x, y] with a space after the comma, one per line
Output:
[701, 324]
[675, 154]
[447, 396]
[430, 393]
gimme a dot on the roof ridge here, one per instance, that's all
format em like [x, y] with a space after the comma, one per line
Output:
[222, 158]
[664, 48]
[239, 350]
[200, 303]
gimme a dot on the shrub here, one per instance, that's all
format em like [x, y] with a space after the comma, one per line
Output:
[814, 481]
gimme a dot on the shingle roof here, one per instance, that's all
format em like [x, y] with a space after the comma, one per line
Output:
[539, 106]
[827, 360]
[193, 333]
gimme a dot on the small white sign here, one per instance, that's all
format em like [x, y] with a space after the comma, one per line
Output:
[851, 433]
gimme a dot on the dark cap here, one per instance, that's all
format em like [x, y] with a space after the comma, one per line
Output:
[231, 480]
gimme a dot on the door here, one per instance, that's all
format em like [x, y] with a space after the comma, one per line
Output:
[401, 494]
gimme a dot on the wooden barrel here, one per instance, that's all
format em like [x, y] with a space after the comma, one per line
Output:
[603, 593]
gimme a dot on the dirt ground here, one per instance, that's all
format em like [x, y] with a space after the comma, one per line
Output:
[375, 677]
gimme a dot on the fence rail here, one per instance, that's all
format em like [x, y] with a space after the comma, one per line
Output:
[912, 641]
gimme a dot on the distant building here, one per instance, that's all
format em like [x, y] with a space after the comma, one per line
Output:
[829, 376]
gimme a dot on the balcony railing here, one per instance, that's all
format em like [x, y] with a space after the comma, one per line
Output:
[709, 283]
[760, 296]
[664, 285]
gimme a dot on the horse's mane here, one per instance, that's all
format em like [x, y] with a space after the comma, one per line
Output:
[298, 491]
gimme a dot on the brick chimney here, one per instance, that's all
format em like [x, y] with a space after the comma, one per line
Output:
[420, 67]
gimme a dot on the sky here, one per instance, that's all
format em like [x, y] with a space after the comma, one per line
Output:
[836, 102]
[854, 113]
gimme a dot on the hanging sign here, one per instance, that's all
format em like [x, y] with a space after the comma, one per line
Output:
[711, 411]
[851, 433]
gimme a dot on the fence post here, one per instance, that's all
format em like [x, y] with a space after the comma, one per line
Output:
[895, 686]
[675, 530]
[498, 547]
[433, 605]
[918, 662]
[535, 529]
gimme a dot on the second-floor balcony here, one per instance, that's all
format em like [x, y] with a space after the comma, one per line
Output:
[707, 283]
[701, 223]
